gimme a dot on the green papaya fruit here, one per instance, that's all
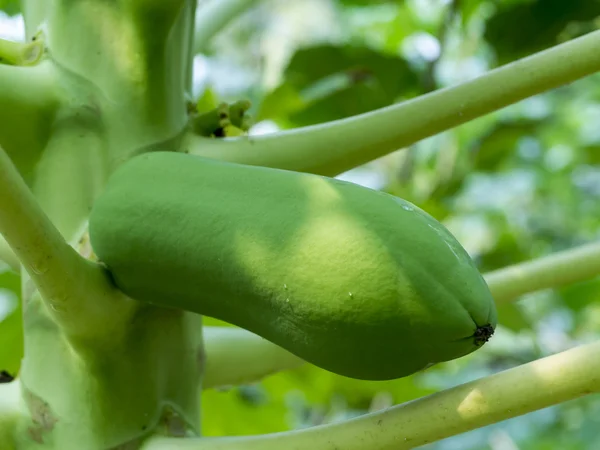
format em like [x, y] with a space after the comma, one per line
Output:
[353, 280]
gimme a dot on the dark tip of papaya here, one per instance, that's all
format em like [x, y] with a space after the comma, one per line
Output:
[5, 377]
[483, 334]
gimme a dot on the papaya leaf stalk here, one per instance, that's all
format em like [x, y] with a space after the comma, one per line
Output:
[335, 147]
[214, 15]
[558, 269]
[19, 53]
[511, 393]
[77, 292]
[236, 356]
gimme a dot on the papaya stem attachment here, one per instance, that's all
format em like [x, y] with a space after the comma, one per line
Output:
[225, 120]
[20, 53]
[236, 356]
[335, 147]
[76, 291]
[511, 393]
[555, 270]
[213, 16]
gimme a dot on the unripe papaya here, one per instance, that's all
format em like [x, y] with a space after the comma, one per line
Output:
[353, 280]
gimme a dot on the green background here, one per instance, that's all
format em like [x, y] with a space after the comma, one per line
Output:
[512, 186]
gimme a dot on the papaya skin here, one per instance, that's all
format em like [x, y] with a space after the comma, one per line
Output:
[352, 280]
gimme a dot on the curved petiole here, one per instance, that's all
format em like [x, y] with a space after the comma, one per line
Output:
[558, 269]
[236, 356]
[335, 147]
[78, 292]
[213, 15]
[529, 387]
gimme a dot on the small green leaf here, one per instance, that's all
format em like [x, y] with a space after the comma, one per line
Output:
[207, 101]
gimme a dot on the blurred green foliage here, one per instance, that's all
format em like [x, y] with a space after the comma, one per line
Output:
[512, 186]
[11, 327]
[348, 80]
[521, 28]
[10, 7]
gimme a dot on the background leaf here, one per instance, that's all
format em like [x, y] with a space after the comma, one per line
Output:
[11, 326]
[10, 7]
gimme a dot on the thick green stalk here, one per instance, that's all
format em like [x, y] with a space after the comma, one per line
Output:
[530, 387]
[34, 14]
[123, 68]
[214, 15]
[558, 269]
[76, 291]
[128, 60]
[235, 356]
[335, 147]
